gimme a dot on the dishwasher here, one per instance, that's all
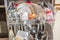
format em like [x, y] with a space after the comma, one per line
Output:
[28, 20]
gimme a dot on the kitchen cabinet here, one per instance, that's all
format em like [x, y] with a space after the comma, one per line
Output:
[3, 23]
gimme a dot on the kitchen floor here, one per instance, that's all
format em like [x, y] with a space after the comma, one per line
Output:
[3, 38]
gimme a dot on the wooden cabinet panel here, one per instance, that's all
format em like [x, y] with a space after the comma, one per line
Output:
[1, 2]
[2, 14]
[3, 23]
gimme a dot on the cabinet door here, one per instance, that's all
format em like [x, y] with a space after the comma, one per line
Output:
[1, 2]
[3, 23]
[2, 14]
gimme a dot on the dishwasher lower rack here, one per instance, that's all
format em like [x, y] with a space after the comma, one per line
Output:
[26, 22]
[30, 32]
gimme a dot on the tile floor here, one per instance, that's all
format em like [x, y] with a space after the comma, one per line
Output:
[3, 38]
